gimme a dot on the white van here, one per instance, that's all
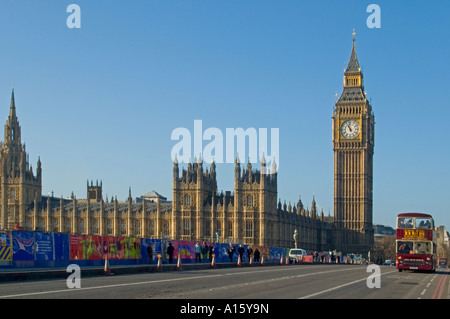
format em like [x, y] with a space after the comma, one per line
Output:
[296, 255]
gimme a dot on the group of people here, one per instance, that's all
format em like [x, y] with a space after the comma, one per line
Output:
[321, 257]
[256, 255]
[205, 251]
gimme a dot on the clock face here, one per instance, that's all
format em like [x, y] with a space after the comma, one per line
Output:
[350, 129]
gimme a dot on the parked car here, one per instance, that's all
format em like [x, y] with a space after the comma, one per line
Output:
[389, 262]
[296, 255]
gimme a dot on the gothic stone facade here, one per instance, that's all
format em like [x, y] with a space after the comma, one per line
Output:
[249, 215]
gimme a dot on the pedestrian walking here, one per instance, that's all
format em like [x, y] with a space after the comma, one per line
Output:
[211, 251]
[197, 251]
[230, 251]
[257, 255]
[170, 250]
[150, 252]
[205, 250]
[249, 253]
[241, 251]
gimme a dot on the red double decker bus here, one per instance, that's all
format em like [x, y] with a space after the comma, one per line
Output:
[416, 242]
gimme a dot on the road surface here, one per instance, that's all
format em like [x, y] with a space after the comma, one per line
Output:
[270, 282]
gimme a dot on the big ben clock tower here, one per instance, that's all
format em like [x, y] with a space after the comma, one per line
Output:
[353, 143]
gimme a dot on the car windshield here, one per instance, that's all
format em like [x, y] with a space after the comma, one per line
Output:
[296, 252]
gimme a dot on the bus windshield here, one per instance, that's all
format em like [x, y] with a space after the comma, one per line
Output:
[414, 247]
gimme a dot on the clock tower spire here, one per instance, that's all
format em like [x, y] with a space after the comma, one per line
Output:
[353, 144]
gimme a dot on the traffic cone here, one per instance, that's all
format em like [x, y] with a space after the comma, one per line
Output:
[179, 262]
[213, 261]
[287, 260]
[107, 269]
[239, 261]
[159, 266]
[281, 260]
[262, 260]
[251, 261]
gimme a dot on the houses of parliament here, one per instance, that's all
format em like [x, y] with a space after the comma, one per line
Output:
[251, 214]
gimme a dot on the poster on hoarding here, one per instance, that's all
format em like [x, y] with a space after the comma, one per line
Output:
[77, 247]
[61, 246]
[186, 249]
[109, 247]
[23, 245]
[94, 248]
[133, 250]
[121, 246]
[44, 246]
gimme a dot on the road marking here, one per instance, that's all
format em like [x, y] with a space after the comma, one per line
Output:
[440, 287]
[263, 281]
[105, 286]
[338, 287]
[154, 282]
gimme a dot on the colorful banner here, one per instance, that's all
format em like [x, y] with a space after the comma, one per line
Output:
[36, 246]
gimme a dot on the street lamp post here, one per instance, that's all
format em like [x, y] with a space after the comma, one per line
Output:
[295, 237]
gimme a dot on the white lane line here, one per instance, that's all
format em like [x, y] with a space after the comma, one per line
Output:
[338, 287]
[106, 286]
[149, 282]
[264, 281]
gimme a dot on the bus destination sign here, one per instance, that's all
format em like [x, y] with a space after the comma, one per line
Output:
[413, 233]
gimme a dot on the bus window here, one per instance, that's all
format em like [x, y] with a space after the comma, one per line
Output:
[414, 248]
[404, 247]
[423, 223]
[409, 223]
[422, 248]
[405, 223]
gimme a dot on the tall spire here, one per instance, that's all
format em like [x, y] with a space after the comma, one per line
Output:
[12, 127]
[353, 79]
[353, 64]
[12, 108]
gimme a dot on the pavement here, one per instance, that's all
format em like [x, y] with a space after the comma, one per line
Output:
[22, 274]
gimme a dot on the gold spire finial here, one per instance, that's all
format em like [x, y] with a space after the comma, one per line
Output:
[353, 34]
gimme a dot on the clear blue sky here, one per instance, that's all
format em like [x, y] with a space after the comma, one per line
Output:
[101, 102]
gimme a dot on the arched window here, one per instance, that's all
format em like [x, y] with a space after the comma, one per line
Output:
[250, 200]
[187, 200]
